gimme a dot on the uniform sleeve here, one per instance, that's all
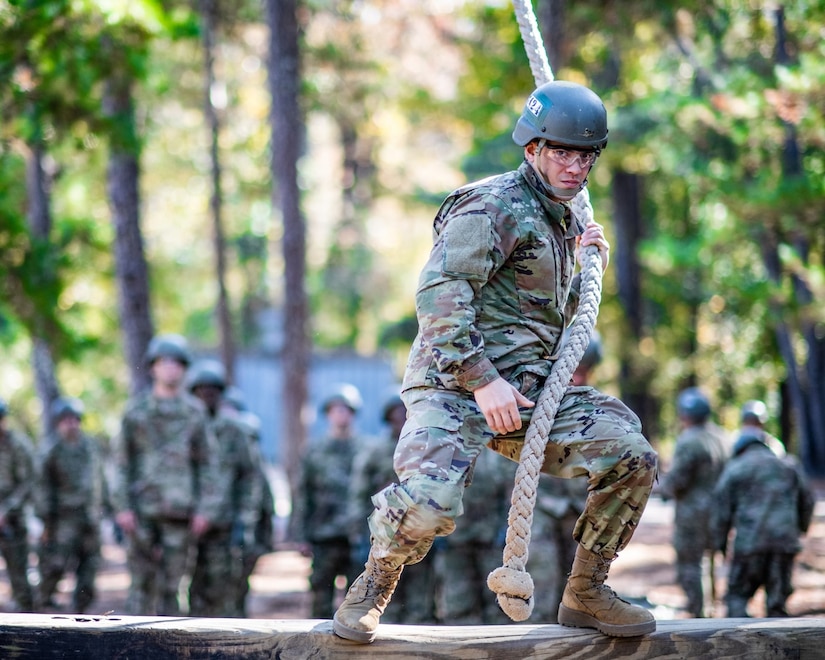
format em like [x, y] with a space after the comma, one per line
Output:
[682, 470]
[721, 518]
[467, 250]
[125, 467]
[24, 475]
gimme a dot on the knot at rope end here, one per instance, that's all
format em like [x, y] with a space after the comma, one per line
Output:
[514, 589]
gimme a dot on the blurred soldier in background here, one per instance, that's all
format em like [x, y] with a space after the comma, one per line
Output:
[559, 503]
[218, 562]
[753, 417]
[165, 496]
[465, 558]
[321, 513]
[414, 600]
[766, 500]
[17, 476]
[699, 457]
[261, 501]
[71, 500]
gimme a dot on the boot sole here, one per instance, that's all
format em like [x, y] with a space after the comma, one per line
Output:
[576, 619]
[345, 632]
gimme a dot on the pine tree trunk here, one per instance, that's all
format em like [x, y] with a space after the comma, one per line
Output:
[287, 132]
[131, 269]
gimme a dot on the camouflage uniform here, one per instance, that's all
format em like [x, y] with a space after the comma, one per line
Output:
[466, 557]
[218, 562]
[414, 600]
[322, 517]
[559, 503]
[698, 460]
[258, 538]
[166, 474]
[768, 502]
[17, 476]
[72, 499]
[492, 301]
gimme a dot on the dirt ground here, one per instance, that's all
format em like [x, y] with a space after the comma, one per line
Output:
[644, 572]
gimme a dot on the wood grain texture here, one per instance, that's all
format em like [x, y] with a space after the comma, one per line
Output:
[160, 638]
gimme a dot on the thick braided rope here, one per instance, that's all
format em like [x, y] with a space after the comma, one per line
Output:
[511, 581]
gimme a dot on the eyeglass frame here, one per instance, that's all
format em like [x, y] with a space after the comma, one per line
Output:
[573, 155]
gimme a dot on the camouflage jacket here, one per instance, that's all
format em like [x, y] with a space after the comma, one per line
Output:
[498, 287]
[165, 458]
[17, 472]
[321, 509]
[72, 482]
[765, 498]
[234, 471]
[698, 460]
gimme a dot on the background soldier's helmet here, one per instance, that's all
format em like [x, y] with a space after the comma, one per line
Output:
[389, 405]
[65, 406]
[754, 412]
[563, 113]
[693, 404]
[4, 408]
[171, 346]
[207, 373]
[344, 393]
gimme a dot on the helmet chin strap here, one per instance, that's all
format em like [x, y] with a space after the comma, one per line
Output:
[562, 194]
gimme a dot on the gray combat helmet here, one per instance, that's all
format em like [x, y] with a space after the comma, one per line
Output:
[754, 412]
[207, 373]
[563, 113]
[171, 346]
[64, 406]
[346, 394]
[693, 404]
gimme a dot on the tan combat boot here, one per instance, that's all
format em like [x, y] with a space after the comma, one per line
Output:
[588, 602]
[365, 602]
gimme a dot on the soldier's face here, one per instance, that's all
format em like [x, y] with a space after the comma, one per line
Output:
[68, 427]
[562, 170]
[168, 371]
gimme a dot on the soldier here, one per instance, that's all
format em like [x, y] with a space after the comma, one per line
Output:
[414, 601]
[321, 515]
[753, 417]
[492, 302]
[699, 457]
[466, 557]
[165, 494]
[261, 540]
[767, 501]
[17, 473]
[71, 500]
[218, 562]
[559, 503]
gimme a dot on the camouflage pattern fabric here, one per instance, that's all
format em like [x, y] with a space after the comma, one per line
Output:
[17, 478]
[218, 560]
[769, 504]
[493, 300]
[166, 464]
[414, 600]
[465, 558]
[698, 460]
[321, 517]
[559, 503]
[72, 498]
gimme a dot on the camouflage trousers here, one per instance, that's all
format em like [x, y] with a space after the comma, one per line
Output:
[748, 572]
[14, 546]
[75, 541]
[594, 435]
[691, 540]
[217, 575]
[158, 556]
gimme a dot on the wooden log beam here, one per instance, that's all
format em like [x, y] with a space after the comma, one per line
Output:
[41, 636]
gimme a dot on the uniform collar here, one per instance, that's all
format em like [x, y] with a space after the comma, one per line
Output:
[560, 212]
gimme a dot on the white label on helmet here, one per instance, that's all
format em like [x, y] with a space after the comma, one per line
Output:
[534, 105]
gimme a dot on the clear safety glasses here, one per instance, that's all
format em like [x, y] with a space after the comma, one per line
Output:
[567, 157]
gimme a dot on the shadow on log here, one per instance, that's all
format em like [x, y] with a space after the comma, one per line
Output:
[160, 638]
